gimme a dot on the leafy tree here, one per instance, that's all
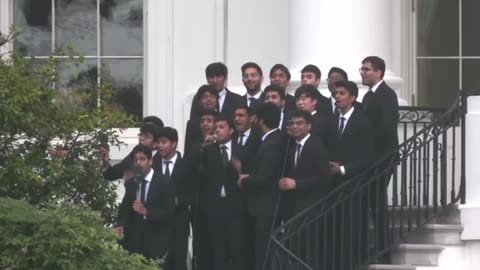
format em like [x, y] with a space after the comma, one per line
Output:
[65, 236]
[51, 131]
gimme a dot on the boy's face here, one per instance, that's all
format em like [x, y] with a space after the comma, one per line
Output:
[147, 139]
[143, 161]
[167, 147]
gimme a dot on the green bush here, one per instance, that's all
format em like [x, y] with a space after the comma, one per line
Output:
[51, 128]
[60, 237]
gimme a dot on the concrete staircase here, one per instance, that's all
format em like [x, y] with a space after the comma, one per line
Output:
[424, 245]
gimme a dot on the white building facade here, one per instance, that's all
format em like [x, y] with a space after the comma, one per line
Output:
[157, 51]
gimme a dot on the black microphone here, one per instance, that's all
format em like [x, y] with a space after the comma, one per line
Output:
[139, 179]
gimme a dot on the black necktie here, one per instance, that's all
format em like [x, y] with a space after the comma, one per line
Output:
[342, 125]
[167, 167]
[240, 138]
[297, 153]
[252, 100]
[143, 191]
[366, 98]
[224, 155]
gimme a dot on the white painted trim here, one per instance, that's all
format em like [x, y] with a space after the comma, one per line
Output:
[220, 29]
[6, 19]
[158, 63]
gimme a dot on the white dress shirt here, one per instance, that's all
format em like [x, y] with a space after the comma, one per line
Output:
[148, 180]
[246, 134]
[221, 99]
[171, 165]
[256, 97]
[374, 88]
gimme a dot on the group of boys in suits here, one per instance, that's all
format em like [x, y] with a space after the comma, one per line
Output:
[254, 161]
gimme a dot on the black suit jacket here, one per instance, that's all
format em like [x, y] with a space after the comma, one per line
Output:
[193, 135]
[219, 175]
[354, 148]
[261, 186]
[231, 102]
[320, 128]
[150, 235]
[179, 184]
[250, 147]
[382, 110]
[311, 174]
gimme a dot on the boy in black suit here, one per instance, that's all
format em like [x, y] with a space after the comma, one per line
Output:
[261, 186]
[217, 76]
[225, 200]
[146, 209]
[352, 152]
[173, 167]
[381, 106]
[280, 75]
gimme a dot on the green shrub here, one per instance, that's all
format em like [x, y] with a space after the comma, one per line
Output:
[60, 237]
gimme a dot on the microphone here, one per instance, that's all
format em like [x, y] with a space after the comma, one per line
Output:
[139, 180]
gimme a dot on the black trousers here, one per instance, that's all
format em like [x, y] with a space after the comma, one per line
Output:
[228, 240]
[177, 258]
[262, 228]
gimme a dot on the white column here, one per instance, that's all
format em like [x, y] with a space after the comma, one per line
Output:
[470, 212]
[340, 33]
[158, 61]
[6, 17]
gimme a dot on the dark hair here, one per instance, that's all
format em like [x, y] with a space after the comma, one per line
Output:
[154, 120]
[307, 90]
[204, 112]
[169, 133]
[338, 70]
[275, 88]
[314, 69]
[252, 65]
[377, 63]
[207, 88]
[143, 149]
[303, 114]
[351, 87]
[282, 68]
[223, 117]
[269, 113]
[249, 110]
[216, 69]
[150, 128]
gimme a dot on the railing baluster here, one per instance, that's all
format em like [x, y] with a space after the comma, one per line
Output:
[420, 180]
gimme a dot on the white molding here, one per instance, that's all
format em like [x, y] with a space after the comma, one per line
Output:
[158, 65]
[220, 29]
[6, 19]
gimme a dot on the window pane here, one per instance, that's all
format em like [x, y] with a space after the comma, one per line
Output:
[437, 28]
[470, 33]
[471, 69]
[127, 78]
[76, 24]
[121, 27]
[438, 82]
[33, 19]
[78, 79]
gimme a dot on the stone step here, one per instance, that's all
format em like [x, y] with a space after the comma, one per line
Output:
[391, 267]
[416, 254]
[450, 215]
[437, 234]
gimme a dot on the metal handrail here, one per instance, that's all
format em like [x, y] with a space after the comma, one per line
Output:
[434, 125]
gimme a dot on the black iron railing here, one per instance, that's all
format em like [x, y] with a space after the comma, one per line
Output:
[349, 228]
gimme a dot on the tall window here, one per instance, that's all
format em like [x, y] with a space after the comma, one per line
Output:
[448, 49]
[108, 33]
